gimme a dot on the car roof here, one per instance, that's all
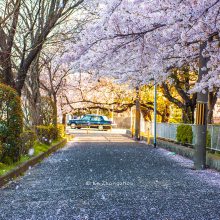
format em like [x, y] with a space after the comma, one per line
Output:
[92, 115]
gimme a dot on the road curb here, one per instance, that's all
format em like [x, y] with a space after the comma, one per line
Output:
[19, 170]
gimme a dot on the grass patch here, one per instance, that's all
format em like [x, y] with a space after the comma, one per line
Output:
[4, 168]
[38, 149]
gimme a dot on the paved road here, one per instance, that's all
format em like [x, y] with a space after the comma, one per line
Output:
[107, 176]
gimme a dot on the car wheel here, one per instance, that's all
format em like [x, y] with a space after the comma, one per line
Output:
[73, 126]
[100, 128]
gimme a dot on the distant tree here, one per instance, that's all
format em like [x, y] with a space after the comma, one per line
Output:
[53, 79]
[84, 94]
[177, 90]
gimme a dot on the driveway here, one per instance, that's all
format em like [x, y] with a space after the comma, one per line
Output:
[106, 175]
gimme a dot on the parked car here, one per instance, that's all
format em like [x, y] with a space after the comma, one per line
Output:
[93, 121]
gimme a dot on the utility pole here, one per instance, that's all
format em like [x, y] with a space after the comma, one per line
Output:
[138, 115]
[201, 115]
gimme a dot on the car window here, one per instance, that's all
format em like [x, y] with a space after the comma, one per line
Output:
[86, 117]
[95, 118]
[105, 118]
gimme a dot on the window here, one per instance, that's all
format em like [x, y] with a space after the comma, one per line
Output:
[95, 118]
[105, 118]
[86, 118]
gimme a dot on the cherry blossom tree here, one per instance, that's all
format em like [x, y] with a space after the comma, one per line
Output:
[53, 78]
[142, 40]
[137, 41]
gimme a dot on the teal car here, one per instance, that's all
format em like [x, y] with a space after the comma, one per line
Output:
[92, 121]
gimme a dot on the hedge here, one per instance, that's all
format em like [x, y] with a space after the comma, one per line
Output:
[184, 134]
[61, 130]
[1, 150]
[46, 134]
[11, 124]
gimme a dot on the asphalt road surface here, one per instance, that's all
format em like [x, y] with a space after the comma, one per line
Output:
[104, 175]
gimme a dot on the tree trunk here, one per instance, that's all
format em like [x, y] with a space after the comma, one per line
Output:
[6, 45]
[34, 94]
[64, 120]
[55, 110]
[138, 114]
[165, 115]
[8, 77]
[188, 115]
[192, 107]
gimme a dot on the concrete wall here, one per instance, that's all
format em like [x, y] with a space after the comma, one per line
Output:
[212, 160]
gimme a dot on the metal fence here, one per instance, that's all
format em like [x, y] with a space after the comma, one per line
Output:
[168, 131]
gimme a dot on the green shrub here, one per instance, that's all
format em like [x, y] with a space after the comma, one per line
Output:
[184, 134]
[61, 130]
[54, 132]
[7, 160]
[208, 140]
[28, 139]
[11, 123]
[46, 134]
[1, 151]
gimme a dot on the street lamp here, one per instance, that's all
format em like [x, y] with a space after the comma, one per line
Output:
[155, 113]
